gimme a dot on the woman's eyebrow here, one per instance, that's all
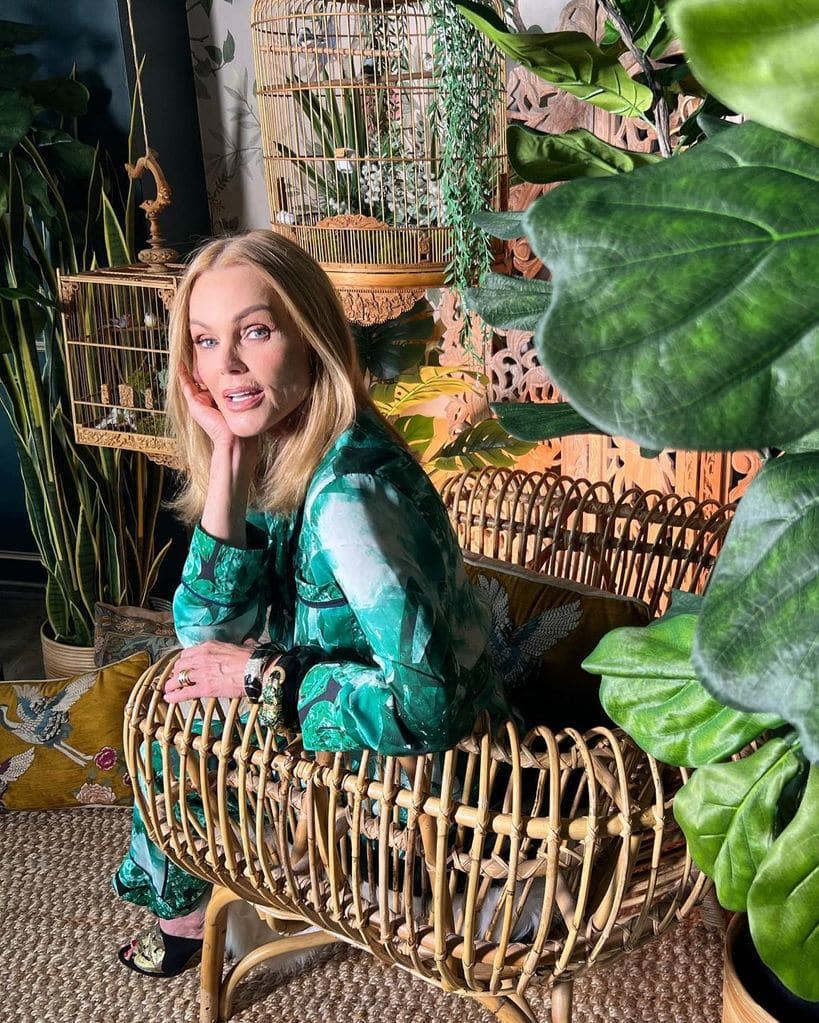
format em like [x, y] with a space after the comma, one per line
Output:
[241, 315]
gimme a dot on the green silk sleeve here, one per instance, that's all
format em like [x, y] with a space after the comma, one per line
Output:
[392, 553]
[222, 595]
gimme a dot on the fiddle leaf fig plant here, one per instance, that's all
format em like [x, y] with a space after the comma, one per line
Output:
[683, 311]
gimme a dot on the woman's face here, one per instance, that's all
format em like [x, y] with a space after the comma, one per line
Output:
[246, 351]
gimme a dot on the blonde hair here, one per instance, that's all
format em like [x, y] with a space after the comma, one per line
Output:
[288, 460]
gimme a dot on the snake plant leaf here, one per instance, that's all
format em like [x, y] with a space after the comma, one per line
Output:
[758, 56]
[116, 248]
[570, 60]
[542, 158]
[16, 116]
[507, 225]
[729, 814]
[485, 443]
[509, 303]
[756, 644]
[650, 689]
[783, 903]
[727, 234]
[535, 421]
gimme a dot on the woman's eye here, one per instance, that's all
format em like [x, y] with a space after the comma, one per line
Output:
[258, 332]
[204, 342]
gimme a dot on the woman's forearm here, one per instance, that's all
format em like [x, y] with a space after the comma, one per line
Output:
[225, 511]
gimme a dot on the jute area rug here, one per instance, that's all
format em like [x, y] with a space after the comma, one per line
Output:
[61, 925]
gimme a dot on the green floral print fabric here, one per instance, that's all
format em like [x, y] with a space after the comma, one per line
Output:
[369, 575]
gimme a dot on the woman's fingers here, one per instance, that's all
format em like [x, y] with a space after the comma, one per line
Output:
[208, 669]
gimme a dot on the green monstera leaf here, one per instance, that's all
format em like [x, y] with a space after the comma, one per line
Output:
[542, 158]
[783, 903]
[485, 443]
[650, 689]
[756, 645]
[570, 60]
[685, 295]
[729, 813]
[759, 56]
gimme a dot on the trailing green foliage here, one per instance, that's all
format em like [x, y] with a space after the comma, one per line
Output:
[92, 511]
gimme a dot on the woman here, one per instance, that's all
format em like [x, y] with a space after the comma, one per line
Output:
[315, 523]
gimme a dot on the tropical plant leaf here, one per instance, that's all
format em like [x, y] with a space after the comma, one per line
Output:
[509, 303]
[646, 23]
[412, 391]
[16, 116]
[485, 443]
[756, 644]
[542, 158]
[650, 689]
[16, 69]
[116, 247]
[390, 348]
[783, 903]
[416, 431]
[537, 421]
[759, 57]
[729, 813]
[570, 60]
[729, 359]
[66, 96]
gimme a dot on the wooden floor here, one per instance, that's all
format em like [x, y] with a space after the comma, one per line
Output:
[22, 612]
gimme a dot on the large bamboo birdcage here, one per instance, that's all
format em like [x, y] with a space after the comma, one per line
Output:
[353, 129]
[115, 324]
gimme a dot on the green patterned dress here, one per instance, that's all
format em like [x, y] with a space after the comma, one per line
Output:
[367, 581]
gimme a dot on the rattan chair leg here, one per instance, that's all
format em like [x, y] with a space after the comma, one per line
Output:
[281, 946]
[561, 1008]
[507, 1008]
[213, 953]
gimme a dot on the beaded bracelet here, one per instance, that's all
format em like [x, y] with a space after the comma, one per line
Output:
[271, 710]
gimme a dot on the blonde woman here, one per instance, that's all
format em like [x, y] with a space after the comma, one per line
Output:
[313, 522]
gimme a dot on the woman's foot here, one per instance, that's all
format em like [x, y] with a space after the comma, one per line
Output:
[157, 954]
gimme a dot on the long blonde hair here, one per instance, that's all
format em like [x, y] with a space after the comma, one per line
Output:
[287, 461]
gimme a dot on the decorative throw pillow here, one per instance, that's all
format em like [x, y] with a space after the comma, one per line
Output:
[61, 739]
[542, 629]
[122, 630]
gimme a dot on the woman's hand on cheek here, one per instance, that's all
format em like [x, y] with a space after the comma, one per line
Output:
[203, 410]
[209, 669]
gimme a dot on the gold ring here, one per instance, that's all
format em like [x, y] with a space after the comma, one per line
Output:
[184, 678]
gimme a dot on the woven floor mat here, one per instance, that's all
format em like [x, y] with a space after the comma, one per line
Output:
[61, 924]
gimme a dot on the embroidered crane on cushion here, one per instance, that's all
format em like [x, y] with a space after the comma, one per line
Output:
[43, 720]
[13, 768]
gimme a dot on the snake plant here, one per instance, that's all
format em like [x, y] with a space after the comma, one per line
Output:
[92, 511]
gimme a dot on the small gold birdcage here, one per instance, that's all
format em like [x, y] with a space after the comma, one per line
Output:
[116, 337]
[357, 138]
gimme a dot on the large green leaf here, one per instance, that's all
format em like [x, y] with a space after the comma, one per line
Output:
[756, 645]
[16, 69]
[509, 303]
[570, 60]
[415, 431]
[646, 24]
[486, 443]
[729, 813]
[650, 689]
[686, 294]
[507, 225]
[758, 56]
[528, 420]
[783, 903]
[16, 115]
[542, 158]
[66, 96]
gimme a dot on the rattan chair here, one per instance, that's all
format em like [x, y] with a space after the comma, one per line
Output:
[505, 861]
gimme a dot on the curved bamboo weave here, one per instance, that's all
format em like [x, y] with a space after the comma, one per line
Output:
[481, 869]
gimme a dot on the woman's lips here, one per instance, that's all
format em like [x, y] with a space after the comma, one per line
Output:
[244, 401]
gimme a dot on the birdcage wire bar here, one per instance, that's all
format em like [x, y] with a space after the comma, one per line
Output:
[351, 124]
[115, 324]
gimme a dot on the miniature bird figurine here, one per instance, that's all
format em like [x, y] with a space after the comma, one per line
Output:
[43, 720]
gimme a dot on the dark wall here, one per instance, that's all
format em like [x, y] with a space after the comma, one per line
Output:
[93, 35]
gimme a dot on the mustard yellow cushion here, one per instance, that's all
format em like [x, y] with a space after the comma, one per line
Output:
[61, 739]
[542, 629]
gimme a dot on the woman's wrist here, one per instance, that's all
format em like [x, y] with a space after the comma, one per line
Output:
[225, 510]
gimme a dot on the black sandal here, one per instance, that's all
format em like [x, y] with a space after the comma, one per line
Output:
[154, 953]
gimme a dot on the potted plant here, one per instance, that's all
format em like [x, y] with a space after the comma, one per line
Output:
[92, 511]
[682, 312]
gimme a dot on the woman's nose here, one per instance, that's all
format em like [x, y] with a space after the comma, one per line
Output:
[231, 360]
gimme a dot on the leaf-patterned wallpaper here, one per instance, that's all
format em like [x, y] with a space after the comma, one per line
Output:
[223, 71]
